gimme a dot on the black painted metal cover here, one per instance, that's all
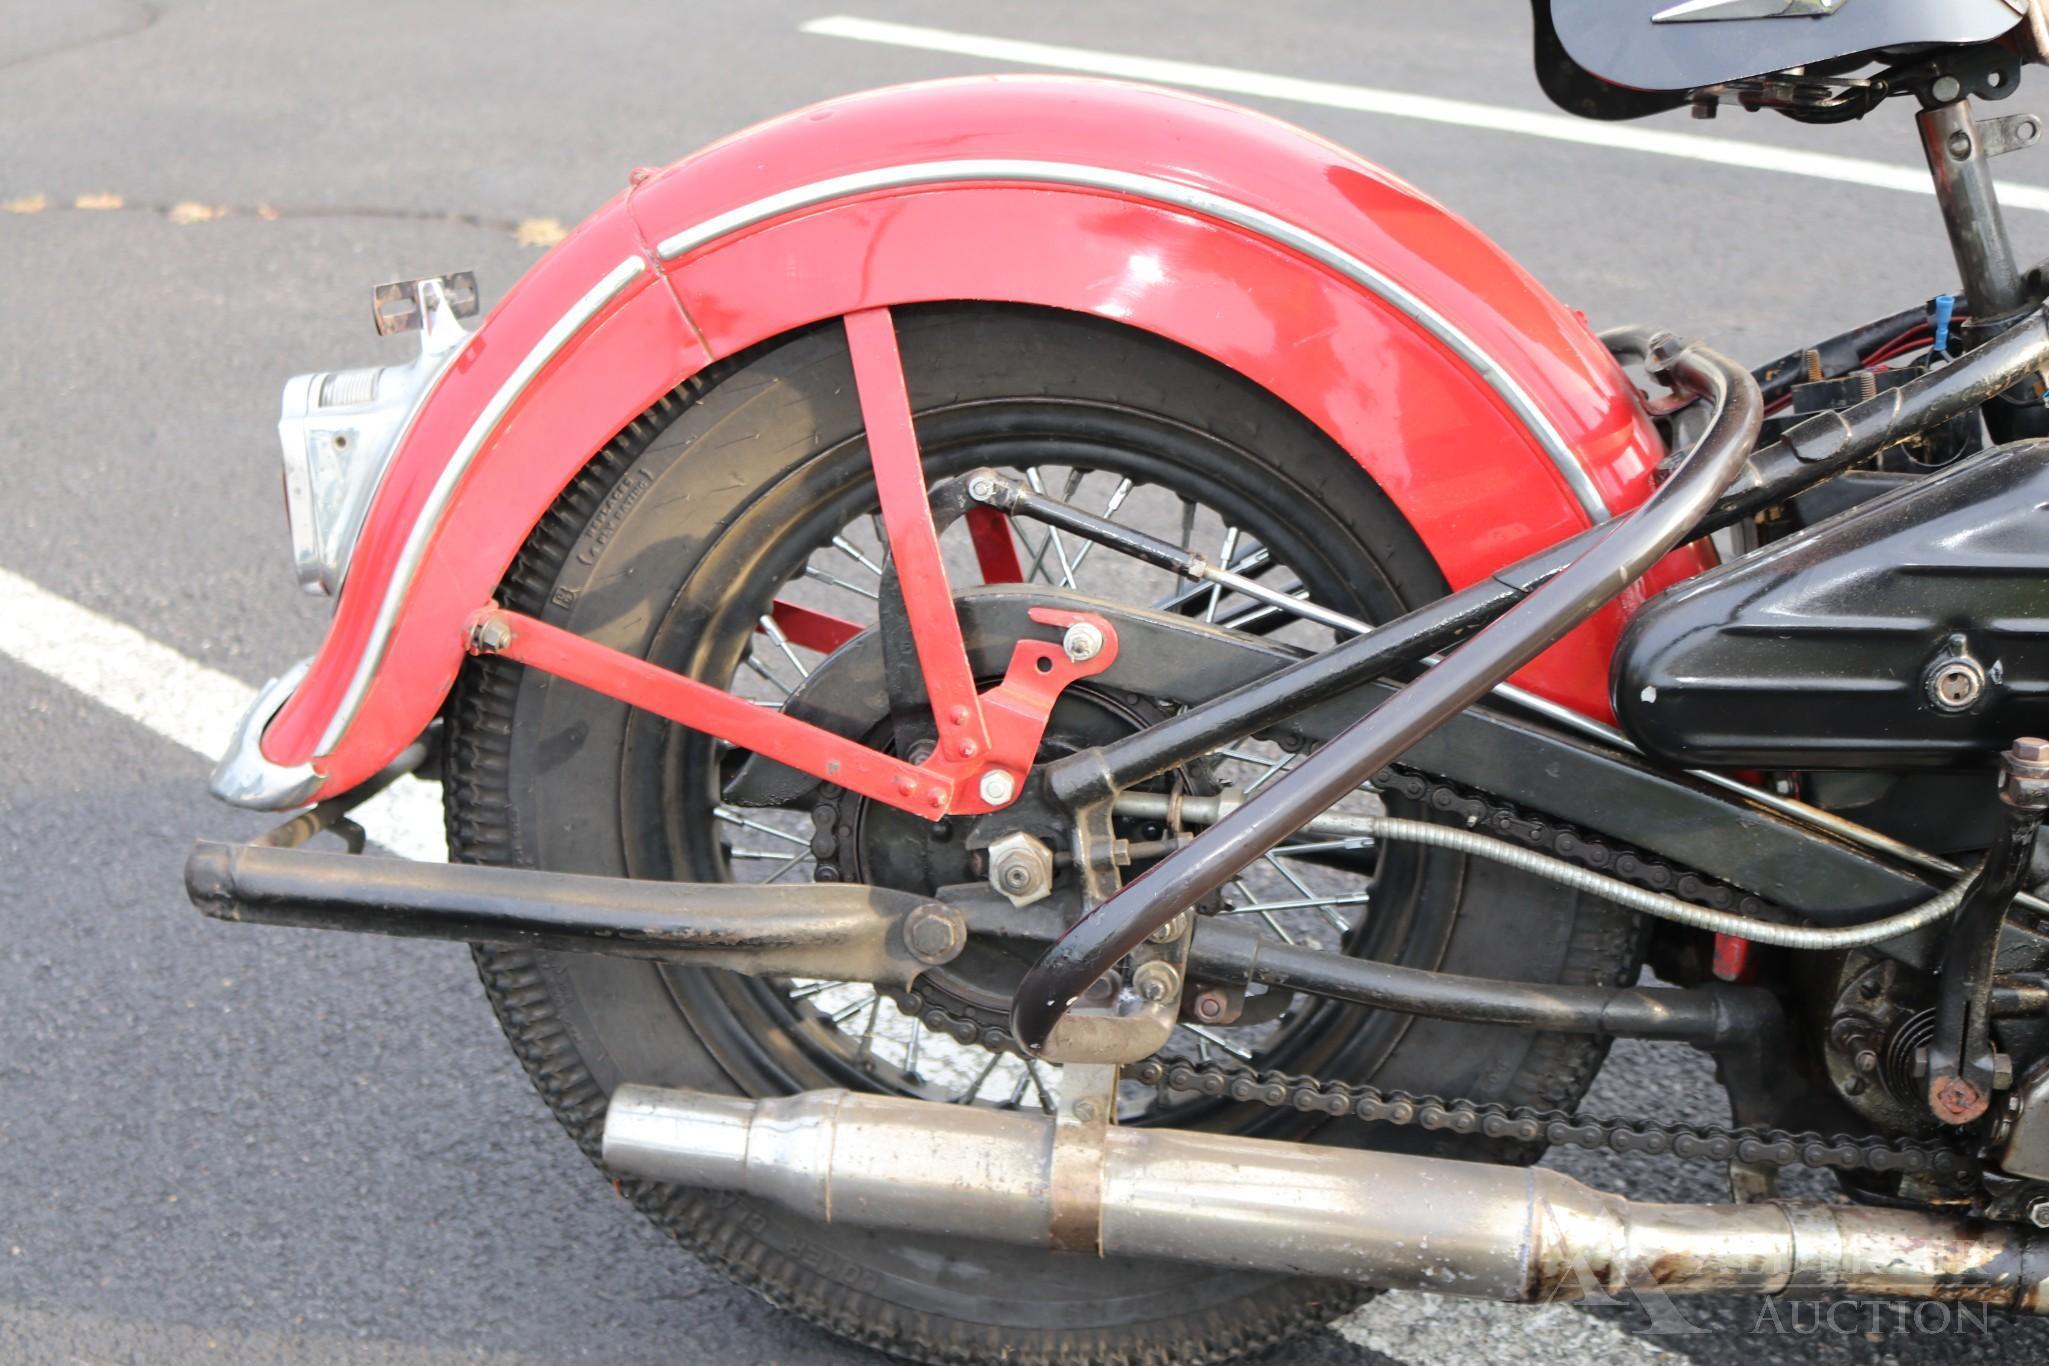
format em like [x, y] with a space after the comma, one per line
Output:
[1616, 40]
[1817, 651]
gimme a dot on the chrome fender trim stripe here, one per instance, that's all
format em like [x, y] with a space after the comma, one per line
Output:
[1193, 200]
[431, 512]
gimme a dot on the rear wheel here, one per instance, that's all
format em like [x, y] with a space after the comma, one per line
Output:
[752, 484]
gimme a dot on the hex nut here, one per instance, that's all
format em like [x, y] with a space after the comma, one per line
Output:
[1156, 981]
[1172, 930]
[1083, 641]
[1021, 868]
[997, 787]
[2038, 1213]
[934, 934]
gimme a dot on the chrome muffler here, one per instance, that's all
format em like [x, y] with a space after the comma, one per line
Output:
[1383, 1219]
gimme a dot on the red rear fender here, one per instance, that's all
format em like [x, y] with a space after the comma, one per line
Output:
[1485, 409]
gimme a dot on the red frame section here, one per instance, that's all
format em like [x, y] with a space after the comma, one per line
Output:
[1460, 466]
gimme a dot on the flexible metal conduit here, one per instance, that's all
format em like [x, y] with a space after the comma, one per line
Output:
[1162, 806]
[1637, 541]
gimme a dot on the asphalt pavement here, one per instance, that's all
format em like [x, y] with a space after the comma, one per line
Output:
[238, 1144]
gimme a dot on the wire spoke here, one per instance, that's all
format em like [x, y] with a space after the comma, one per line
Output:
[1209, 1037]
[1251, 561]
[1264, 913]
[762, 669]
[1337, 922]
[1109, 513]
[967, 1097]
[732, 817]
[782, 642]
[812, 571]
[1039, 1083]
[1052, 534]
[1307, 904]
[845, 1013]
[1216, 593]
[845, 547]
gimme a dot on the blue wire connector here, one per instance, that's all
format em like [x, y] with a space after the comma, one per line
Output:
[1945, 305]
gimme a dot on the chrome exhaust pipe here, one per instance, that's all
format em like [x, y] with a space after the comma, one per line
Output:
[1382, 1219]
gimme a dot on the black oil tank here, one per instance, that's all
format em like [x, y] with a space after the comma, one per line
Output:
[1911, 631]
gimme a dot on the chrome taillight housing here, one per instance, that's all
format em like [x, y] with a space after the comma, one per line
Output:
[338, 429]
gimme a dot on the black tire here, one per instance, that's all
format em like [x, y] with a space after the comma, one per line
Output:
[647, 549]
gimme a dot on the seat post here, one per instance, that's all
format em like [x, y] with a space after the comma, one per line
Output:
[1962, 171]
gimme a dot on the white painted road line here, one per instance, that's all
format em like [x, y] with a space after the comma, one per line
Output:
[1718, 151]
[185, 702]
[1429, 1330]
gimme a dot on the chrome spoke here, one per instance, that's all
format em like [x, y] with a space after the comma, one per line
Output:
[812, 571]
[1264, 912]
[1337, 922]
[1109, 512]
[967, 1097]
[762, 669]
[732, 817]
[1270, 772]
[1263, 908]
[845, 1013]
[782, 642]
[846, 548]
[1053, 536]
[791, 862]
[1216, 590]
[867, 1049]
[1255, 558]
[1208, 1036]
[1039, 1084]
[911, 1048]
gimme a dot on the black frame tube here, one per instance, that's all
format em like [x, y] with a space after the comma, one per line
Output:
[1812, 452]
[1708, 1017]
[1623, 552]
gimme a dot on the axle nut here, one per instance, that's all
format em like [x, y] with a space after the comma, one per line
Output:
[934, 934]
[1021, 868]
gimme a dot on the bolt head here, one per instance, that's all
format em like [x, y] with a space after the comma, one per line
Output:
[1209, 1006]
[997, 787]
[2038, 1213]
[981, 487]
[1085, 1111]
[933, 934]
[1084, 640]
[2031, 750]
[1945, 88]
